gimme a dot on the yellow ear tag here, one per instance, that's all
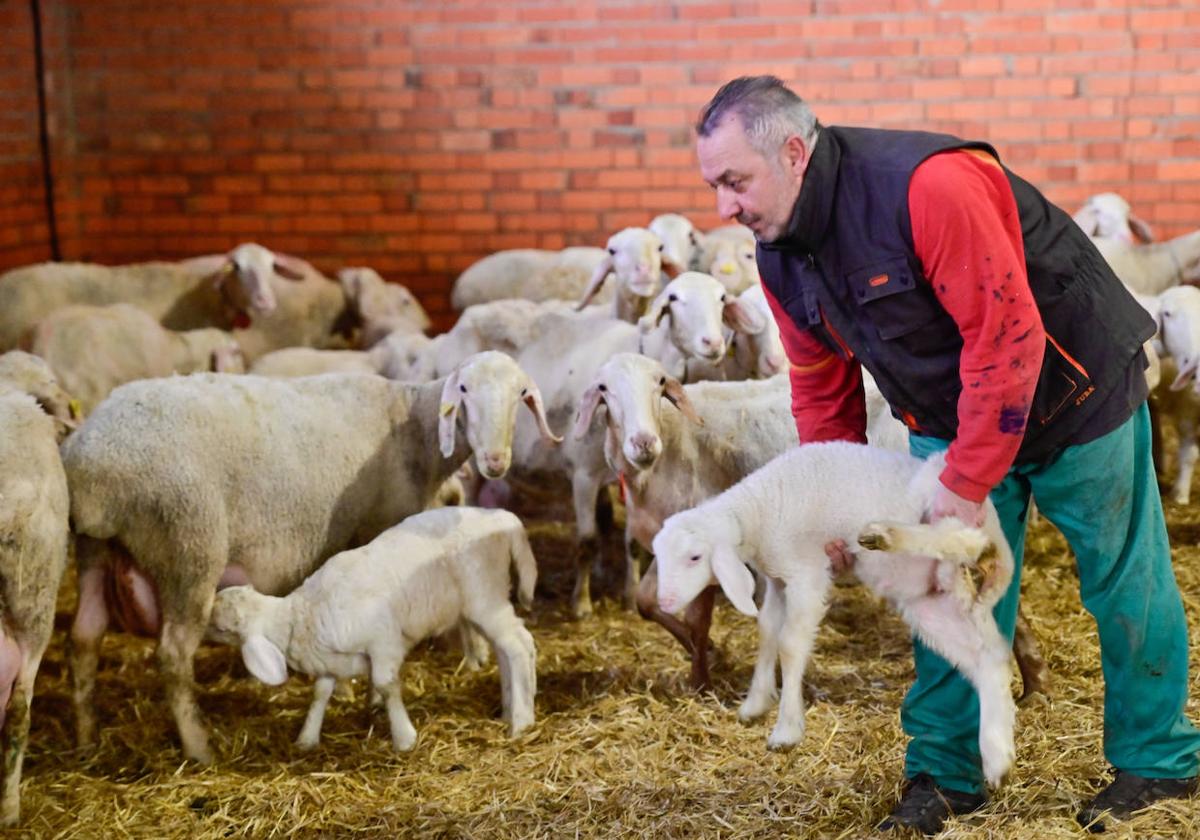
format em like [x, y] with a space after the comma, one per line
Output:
[75, 407]
[447, 409]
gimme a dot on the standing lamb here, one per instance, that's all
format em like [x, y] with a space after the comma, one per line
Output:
[778, 520]
[365, 609]
[33, 556]
[191, 481]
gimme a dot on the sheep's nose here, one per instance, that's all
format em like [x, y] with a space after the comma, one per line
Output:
[495, 464]
[712, 348]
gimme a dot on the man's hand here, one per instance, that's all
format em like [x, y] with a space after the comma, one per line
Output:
[840, 557]
[947, 503]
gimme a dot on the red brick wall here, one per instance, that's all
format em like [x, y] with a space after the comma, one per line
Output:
[24, 235]
[418, 135]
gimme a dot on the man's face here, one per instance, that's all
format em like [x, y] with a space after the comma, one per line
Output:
[757, 191]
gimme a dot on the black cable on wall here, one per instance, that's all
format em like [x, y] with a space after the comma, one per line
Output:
[35, 8]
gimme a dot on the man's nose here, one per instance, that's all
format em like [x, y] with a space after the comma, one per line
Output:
[727, 207]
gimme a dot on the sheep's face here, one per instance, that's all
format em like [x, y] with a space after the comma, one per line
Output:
[684, 560]
[377, 301]
[636, 256]
[487, 387]
[26, 372]
[1179, 317]
[631, 387]
[733, 263]
[756, 188]
[679, 239]
[254, 265]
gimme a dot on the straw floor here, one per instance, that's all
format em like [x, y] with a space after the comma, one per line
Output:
[621, 748]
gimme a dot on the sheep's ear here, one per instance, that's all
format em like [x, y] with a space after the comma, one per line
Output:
[735, 579]
[533, 400]
[448, 414]
[1088, 219]
[597, 280]
[1141, 231]
[659, 307]
[265, 661]
[351, 282]
[587, 407]
[742, 318]
[227, 270]
[1187, 372]
[289, 268]
[677, 396]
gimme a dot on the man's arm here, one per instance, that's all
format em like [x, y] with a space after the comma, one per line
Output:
[967, 234]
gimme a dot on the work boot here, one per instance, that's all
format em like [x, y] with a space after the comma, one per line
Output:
[1128, 792]
[925, 806]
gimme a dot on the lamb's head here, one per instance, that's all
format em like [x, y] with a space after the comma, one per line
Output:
[632, 388]
[487, 387]
[1179, 322]
[733, 262]
[634, 258]
[383, 307]
[239, 617]
[30, 374]
[695, 549]
[1108, 216]
[699, 308]
[252, 265]
[759, 352]
[680, 239]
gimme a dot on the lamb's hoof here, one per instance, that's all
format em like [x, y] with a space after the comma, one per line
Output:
[306, 744]
[749, 712]
[405, 742]
[781, 741]
[875, 537]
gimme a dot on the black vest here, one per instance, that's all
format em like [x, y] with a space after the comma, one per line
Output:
[847, 261]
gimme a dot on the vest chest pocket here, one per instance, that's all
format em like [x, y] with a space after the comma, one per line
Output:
[892, 300]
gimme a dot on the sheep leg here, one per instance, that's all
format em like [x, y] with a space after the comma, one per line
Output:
[87, 629]
[310, 734]
[691, 632]
[1035, 676]
[971, 642]
[176, 649]
[385, 676]
[1188, 451]
[763, 689]
[475, 648]
[16, 732]
[803, 612]
[518, 668]
[584, 491]
[633, 569]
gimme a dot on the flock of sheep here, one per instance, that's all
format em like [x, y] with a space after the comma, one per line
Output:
[286, 495]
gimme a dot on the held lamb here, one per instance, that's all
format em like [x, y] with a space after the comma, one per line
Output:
[365, 609]
[33, 551]
[778, 520]
[181, 484]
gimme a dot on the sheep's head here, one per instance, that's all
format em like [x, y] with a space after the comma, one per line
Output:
[734, 263]
[237, 618]
[1179, 322]
[695, 549]
[680, 239]
[383, 307]
[632, 388]
[21, 371]
[634, 258]
[486, 388]
[761, 351]
[1109, 216]
[699, 308]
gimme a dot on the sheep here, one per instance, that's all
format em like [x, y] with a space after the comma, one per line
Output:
[754, 351]
[383, 308]
[33, 553]
[529, 273]
[1153, 268]
[365, 609]
[93, 349]
[182, 483]
[25, 372]
[635, 260]
[680, 239]
[1109, 216]
[1177, 398]
[777, 520]
[732, 261]
[181, 296]
[395, 356]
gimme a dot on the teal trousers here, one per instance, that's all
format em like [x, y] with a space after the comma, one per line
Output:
[1103, 496]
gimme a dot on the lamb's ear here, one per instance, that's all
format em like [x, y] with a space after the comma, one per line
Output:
[265, 661]
[677, 396]
[289, 268]
[533, 400]
[1141, 231]
[1187, 373]
[588, 404]
[735, 579]
[597, 280]
[1088, 219]
[448, 414]
[222, 275]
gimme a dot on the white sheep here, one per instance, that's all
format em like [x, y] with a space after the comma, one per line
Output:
[1109, 216]
[365, 609]
[202, 479]
[383, 308]
[680, 239]
[183, 295]
[732, 261]
[1153, 268]
[1176, 399]
[530, 274]
[33, 552]
[635, 259]
[753, 350]
[395, 356]
[93, 349]
[777, 521]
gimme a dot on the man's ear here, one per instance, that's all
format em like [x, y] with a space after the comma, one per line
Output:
[795, 155]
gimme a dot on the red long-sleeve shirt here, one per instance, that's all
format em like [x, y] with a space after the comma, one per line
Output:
[967, 235]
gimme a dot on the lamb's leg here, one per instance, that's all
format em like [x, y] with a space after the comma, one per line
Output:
[310, 734]
[1188, 451]
[692, 632]
[764, 691]
[518, 668]
[971, 642]
[584, 491]
[16, 729]
[385, 677]
[476, 651]
[804, 607]
[87, 629]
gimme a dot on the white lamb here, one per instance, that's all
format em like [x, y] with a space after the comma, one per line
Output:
[1153, 268]
[1109, 216]
[777, 521]
[680, 239]
[365, 609]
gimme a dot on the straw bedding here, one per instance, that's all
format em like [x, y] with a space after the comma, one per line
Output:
[621, 747]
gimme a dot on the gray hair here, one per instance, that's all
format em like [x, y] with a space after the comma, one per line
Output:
[769, 111]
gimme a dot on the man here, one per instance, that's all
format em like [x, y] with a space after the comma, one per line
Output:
[995, 330]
